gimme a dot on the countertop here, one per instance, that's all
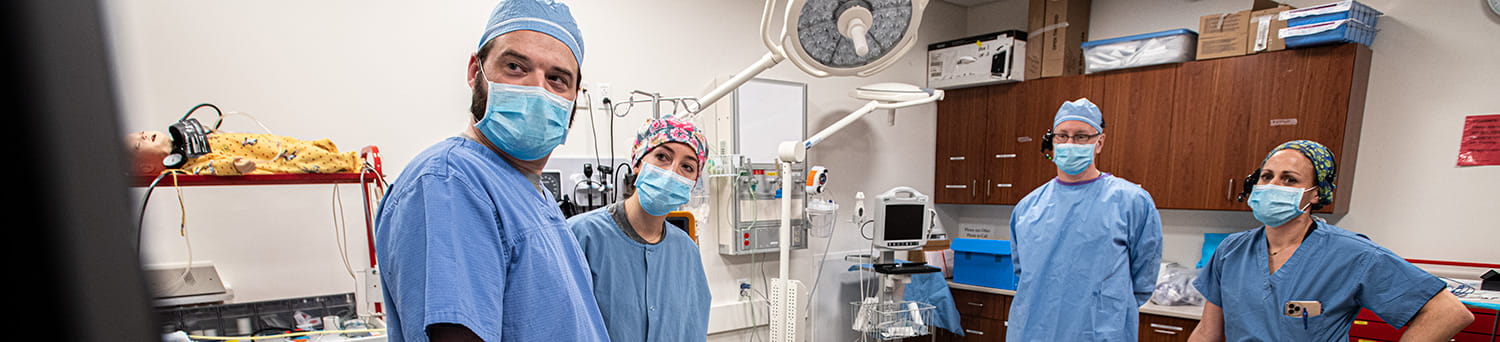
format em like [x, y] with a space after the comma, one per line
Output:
[1184, 312]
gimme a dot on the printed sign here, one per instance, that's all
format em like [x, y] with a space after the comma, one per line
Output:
[1480, 144]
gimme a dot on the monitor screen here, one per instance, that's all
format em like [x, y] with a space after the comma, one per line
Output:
[904, 222]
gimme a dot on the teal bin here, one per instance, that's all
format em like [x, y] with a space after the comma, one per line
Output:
[983, 262]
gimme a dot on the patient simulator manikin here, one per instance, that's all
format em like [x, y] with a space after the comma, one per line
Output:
[233, 154]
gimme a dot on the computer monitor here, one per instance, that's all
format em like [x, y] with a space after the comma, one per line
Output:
[902, 219]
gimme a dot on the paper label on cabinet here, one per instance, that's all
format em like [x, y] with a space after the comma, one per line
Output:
[1283, 122]
[1023, 139]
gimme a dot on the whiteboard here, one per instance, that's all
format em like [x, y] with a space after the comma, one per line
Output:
[766, 113]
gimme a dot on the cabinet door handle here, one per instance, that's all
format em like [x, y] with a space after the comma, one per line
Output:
[1004, 185]
[972, 331]
[976, 304]
[987, 188]
[1166, 332]
[1003, 156]
[972, 191]
[956, 158]
[956, 186]
[1229, 193]
[1164, 326]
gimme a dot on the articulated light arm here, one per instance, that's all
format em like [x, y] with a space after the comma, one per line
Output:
[793, 151]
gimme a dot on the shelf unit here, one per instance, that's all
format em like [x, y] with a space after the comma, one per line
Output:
[370, 178]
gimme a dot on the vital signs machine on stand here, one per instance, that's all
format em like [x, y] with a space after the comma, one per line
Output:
[903, 221]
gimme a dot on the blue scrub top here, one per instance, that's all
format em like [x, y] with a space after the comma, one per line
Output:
[646, 292]
[1342, 270]
[1086, 256]
[463, 238]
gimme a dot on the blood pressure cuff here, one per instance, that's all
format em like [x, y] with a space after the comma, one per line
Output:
[189, 140]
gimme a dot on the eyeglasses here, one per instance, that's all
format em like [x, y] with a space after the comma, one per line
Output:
[1077, 138]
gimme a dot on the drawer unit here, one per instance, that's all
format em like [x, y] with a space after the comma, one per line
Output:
[980, 304]
[1156, 328]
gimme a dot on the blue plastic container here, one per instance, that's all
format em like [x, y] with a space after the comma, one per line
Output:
[983, 262]
[1333, 32]
[1341, 10]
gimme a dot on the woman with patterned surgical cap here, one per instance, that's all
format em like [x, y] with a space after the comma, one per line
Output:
[648, 276]
[1299, 278]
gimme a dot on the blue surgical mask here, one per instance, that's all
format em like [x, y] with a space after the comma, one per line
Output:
[661, 191]
[526, 122]
[1072, 159]
[1274, 205]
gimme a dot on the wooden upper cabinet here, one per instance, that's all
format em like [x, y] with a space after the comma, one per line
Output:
[1208, 135]
[1189, 133]
[961, 118]
[1000, 149]
[1312, 94]
[1137, 105]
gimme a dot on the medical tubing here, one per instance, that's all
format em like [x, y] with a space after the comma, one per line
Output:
[593, 128]
[201, 105]
[616, 176]
[341, 229]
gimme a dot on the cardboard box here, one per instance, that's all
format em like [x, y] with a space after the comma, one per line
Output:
[1062, 54]
[1036, 15]
[1223, 35]
[1234, 34]
[1263, 27]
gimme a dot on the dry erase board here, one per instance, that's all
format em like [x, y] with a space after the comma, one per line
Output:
[766, 113]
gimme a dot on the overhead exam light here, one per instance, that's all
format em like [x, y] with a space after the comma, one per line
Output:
[831, 38]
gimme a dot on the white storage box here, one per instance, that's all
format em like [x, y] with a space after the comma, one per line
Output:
[998, 57]
[1173, 46]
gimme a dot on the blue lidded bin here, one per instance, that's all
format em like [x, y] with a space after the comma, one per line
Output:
[983, 262]
[1333, 32]
[1349, 9]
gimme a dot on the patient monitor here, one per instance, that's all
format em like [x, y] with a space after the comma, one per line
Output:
[902, 219]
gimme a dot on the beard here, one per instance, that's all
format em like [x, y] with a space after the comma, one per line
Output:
[478, 101]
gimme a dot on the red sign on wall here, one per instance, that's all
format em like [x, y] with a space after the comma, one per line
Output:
[1480, 144]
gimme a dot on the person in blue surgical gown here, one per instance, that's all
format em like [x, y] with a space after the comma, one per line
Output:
[648, 276]
[1086, 245]
[469, 246]
[1298, 278]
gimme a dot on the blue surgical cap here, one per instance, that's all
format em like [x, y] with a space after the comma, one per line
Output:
[550, 17]
[1080, 110]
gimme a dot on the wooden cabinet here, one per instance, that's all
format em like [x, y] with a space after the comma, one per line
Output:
[1137, 106]
[981, 314]
[961, 121]
[1155, 328]
[1189, 133]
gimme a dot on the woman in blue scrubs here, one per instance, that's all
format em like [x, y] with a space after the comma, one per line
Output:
[1299, 278]
[648, 276]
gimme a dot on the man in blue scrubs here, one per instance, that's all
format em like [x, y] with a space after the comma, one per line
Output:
[1301, 279]
[648, 276]
[469, 246]
[1086, 246]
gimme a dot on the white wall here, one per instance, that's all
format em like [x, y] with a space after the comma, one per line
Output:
[392, 74]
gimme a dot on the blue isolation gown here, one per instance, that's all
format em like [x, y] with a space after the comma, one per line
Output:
[463, 238]
[1341, 270]
[1086, 256]
[645, 291]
